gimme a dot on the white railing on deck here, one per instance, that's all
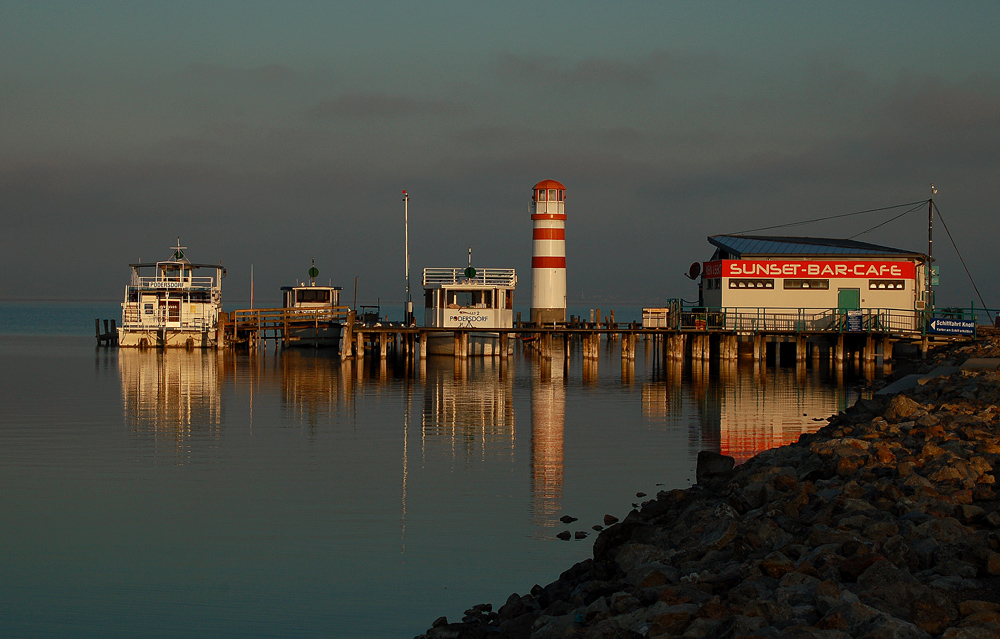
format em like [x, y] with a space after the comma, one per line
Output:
[175, 283]
[134, 319]
[502, 277]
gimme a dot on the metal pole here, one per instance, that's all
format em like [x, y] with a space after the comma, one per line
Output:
[408, 309]
[930, 252]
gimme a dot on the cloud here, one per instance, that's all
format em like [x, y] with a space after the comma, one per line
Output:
[600, 71]
[377, 105]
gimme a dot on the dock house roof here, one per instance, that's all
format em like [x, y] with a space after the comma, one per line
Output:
[755, 246]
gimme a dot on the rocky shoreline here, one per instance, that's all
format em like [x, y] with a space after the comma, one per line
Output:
[883, 524]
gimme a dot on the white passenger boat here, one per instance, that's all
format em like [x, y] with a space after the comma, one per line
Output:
[174, 307]
[468, 298]
[323, 317]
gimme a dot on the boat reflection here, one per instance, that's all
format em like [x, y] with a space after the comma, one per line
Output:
[313, 384]
[172, 392]
[468, 406]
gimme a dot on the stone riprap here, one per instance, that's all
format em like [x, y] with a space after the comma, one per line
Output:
[883, 524]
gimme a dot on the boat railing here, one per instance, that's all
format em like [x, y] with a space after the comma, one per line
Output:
[501, 277]
[270, 318]
[200, 282]
[134, 319]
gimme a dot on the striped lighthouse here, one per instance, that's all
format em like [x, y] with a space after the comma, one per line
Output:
[548, 254]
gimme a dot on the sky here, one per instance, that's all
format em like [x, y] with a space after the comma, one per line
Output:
[266, 134]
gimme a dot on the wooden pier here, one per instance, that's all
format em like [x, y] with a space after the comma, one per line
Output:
[786, 337]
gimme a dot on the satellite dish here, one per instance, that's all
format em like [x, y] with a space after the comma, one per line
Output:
[694, 271]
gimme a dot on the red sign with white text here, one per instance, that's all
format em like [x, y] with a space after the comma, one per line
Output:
[824, 268]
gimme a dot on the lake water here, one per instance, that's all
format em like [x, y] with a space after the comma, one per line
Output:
[204, 494]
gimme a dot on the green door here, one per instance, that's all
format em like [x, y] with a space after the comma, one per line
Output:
[848, 299]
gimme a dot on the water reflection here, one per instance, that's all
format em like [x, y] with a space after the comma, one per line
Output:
[313, 384]
[548, 421]
[174, 393]
[468, 409]
[741, 409]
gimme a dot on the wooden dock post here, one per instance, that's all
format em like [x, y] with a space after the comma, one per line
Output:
[628, 346]
[800, 348]
[359, 340]
[839, 353]
[759, 348]
[423, 345]
[546, 345]
[886, 349]
[729, 347]
[869, 349]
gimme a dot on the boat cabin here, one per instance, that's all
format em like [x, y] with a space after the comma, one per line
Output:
[310, 296]
[172, 303]
[469, 298]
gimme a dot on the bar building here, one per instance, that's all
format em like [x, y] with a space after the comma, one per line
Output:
[814, 273]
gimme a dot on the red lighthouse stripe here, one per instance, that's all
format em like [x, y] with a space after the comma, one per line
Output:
[549, 234]
[548, 262]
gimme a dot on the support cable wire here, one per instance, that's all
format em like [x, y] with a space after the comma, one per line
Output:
[919, 206]
[962, 260]
[831, 217]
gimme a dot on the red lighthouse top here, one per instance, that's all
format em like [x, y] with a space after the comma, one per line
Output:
[549, 184]
[548, 191]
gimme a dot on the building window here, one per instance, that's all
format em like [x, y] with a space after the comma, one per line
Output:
[750, 283]
[897, 285]
[552, 195]
[822, 285]
[562, 195]
[541, 195]
[709, 284]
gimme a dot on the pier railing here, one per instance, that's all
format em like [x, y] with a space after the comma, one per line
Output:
[271, 318]
[754, 320]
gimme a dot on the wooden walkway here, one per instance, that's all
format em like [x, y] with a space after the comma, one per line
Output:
[789, 333]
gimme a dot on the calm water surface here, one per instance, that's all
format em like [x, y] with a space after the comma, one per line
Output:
[191, 494]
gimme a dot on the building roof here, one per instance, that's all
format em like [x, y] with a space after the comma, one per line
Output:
[748, 246]
[548, 184]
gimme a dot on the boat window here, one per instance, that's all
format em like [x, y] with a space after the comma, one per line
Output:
[147, 309]
[510, 299]
[459, 299]
[313, 296]
[552, 195]
[429, 298]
